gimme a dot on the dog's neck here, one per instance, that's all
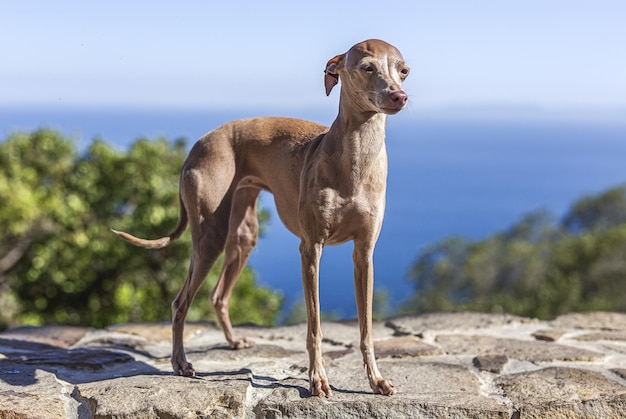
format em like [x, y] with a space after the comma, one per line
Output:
[358, 139]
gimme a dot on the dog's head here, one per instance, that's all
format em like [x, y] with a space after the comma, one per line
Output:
[372, 73]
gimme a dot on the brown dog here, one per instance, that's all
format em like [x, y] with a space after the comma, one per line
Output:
[329, 188]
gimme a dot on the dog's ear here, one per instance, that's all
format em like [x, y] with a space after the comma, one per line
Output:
[331, 73]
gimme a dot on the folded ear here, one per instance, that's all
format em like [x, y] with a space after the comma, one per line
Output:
[331, 74]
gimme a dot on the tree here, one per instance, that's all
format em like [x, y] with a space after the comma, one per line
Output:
[59, 263]
[535, 268]
[588, 272]
[600, 212]
[497, 274]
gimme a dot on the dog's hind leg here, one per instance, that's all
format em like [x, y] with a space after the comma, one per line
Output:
[242, 237]
[206, 249]
[207, 194]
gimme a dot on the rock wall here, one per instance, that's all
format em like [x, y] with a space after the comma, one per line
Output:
[447, 365]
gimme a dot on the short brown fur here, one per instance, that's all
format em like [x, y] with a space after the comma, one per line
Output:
[329, 187]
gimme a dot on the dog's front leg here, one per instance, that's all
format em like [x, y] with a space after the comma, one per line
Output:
[311, 254]
[364, 290]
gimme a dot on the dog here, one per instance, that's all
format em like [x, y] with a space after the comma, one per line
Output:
[329, 188]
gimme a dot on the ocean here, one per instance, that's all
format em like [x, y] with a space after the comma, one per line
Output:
[450, 174]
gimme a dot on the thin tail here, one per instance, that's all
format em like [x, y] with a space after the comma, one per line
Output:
[163, 241]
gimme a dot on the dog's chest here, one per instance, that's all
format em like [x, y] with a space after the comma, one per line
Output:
[345, 218]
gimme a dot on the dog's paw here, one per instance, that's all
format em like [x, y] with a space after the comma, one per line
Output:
[321, 388]
[241, 344]
[184, 369]
[319, 385]
[384, 387]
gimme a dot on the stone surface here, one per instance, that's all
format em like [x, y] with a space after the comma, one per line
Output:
[443, 365]
[491, 363]
[427, 389]
[400, 347]
[516, 348]
[161, 396]
[602, 336]
[594, 320]
[418, 325]
[559, 392]
[57, 336]
[41, 395]
[550, 335]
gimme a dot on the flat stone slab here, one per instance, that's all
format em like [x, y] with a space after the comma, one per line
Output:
[466, 365]
[593, 320]
[405, 346]
[427, 390]
[515, 348]
[165, 396]
[43, 396]
[92, 358]
[558, 392]
[418, 325]
[56, 336]
[621, 336]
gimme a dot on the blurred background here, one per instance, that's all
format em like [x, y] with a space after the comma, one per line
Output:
[506, 188]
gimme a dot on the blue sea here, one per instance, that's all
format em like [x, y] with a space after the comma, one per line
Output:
[450, 174]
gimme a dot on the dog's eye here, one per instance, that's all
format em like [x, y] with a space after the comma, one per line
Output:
[404, 71]
[368, 68]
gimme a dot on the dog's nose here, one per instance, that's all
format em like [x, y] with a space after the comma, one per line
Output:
[399, 97]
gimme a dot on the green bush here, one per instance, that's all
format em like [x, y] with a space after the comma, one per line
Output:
[59, 262]
[537, 268]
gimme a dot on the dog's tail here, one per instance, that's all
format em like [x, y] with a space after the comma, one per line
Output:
[163, 241]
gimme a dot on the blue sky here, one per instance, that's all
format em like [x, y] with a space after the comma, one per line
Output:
[193, 54]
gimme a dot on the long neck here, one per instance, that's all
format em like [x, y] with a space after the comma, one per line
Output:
[359, 139]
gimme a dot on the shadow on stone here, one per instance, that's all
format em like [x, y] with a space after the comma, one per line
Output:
[257, 381]
[21, 359]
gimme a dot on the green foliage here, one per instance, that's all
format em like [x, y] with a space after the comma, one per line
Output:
[597, 212]
[59, 262]
[536, 268]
